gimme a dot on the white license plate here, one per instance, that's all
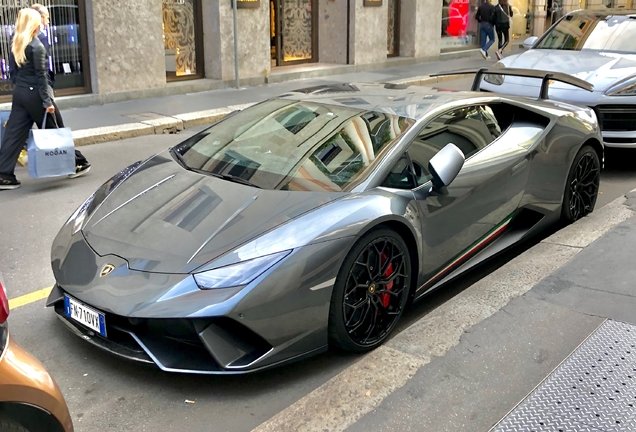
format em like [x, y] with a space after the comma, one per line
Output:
[85, 315]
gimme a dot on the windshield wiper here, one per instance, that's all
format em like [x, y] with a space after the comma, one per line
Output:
[236, 179]
[228, 177]
[179, 158]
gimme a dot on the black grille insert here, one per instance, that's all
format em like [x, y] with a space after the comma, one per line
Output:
[617, 118]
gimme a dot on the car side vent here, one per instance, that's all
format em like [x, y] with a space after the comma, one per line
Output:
[233, 345]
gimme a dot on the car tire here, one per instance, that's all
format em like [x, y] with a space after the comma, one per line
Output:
[8, 425]
[581, 188]
[371, 291]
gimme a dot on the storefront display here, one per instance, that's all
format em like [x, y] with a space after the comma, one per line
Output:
[182, 39]
[521, 10]
[66, 37]
[459, 26]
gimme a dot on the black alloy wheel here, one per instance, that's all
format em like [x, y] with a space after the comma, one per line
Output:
[371, 291]
[581, 189]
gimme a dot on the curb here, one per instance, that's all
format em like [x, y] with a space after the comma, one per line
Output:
[159, 125]
[361, 388]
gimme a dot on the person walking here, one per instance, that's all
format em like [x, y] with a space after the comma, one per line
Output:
[486, 18]
[503, 17]
[32, 97]
[81, 164]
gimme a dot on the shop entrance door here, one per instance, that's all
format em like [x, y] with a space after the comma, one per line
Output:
[294, 36]
[393, 29]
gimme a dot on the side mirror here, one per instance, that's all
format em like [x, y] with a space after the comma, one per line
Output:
[529, 43]
[445, 165]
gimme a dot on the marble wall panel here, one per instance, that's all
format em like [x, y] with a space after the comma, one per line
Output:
[369, 34]
[128, 45]
[253, 41]
[332, 31]
[419, 28]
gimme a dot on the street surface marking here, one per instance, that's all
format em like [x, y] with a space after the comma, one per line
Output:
[29, 298]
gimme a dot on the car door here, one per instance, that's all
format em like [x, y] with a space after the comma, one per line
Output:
[459, 220]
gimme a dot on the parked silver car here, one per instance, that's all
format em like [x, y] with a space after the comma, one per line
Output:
[597, 46]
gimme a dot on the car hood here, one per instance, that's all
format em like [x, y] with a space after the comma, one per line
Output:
[166, 219]
[601, 69]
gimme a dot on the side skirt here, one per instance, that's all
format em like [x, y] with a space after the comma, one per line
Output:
[510, 231]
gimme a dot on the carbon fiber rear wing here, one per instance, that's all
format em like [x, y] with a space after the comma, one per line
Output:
[544, 76]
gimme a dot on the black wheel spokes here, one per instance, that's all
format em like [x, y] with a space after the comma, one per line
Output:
[375, 291]
[584, 186]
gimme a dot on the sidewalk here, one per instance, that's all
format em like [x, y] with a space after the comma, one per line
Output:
[172, 113]
[567, 303]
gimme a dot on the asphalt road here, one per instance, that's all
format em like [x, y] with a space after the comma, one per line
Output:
[105, 393]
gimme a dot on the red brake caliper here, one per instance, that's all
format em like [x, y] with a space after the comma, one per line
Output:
[385, 297]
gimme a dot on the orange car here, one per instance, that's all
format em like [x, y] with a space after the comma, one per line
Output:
[30, 400]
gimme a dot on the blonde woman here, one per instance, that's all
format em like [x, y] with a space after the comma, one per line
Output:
[32, 96]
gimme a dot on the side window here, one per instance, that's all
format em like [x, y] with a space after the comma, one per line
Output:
[492, 120]
[470, 128]
[401, 175]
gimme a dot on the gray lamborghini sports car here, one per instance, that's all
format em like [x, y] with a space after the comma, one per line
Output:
[311, 220]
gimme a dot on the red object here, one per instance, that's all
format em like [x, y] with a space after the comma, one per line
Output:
[385, 298]
[457, 18]
[4, 305]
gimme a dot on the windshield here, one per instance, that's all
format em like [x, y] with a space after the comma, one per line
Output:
[291, 145]
[589, 31]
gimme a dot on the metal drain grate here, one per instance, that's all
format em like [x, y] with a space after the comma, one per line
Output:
[594, 389]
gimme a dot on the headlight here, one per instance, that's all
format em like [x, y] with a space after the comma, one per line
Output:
[495, 79]
[237, 274]
[88, 207]
[624, 88]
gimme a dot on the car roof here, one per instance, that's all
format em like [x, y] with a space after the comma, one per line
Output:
[605, 12]
[398, 99]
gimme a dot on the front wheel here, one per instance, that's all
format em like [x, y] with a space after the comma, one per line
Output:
[371, 291]
[8, 425]
[581, 189]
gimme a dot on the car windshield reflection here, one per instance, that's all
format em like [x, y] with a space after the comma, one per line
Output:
[297, 146]
[592, 32]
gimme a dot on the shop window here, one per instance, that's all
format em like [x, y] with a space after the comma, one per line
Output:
[459, 26]
[182, 29]
[66, 36]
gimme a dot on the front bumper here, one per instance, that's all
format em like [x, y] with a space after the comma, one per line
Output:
[619, 139]
[218, 345]
[167, 320]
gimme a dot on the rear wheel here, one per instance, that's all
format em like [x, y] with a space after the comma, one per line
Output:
[371, 291]
[581, 189]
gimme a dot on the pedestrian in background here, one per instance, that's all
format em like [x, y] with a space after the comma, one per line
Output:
[486, 18]
[82, 165]
[32, 96]
[503, 18]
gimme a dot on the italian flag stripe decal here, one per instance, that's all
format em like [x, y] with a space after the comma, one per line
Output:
[478, 245]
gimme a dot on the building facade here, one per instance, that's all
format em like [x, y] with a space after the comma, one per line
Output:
[136, 48]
